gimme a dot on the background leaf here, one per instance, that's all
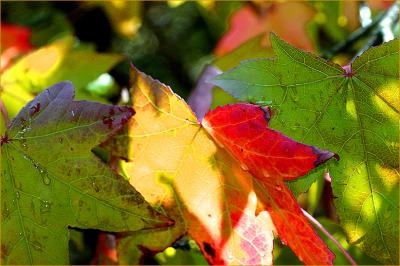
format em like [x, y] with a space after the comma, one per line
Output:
[53, 63]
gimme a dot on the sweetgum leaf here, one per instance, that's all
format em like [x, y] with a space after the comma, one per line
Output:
[178, 168]
[50, 179]
[181, 169]
[271, 158]
[352, 112]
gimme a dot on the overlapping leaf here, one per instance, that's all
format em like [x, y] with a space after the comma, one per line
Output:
[272, 158]
[181, 170]
[50, 180]
[352, 112]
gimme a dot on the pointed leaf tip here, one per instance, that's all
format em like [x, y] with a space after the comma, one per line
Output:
[323, 156]
[272, 158]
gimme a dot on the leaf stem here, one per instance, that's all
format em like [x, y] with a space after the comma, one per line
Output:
[331, 237]
[4, 113]
[359, 33]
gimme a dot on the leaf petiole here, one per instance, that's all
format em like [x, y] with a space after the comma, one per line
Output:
[331, 237]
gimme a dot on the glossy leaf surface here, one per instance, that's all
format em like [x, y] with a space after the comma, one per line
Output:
[50, 179]
[353, 112]
[183, 172]
[271, 158]
[178, 168]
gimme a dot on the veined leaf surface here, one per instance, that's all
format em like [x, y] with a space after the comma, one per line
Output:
[181, 170]
[50, 179]
[353, 112]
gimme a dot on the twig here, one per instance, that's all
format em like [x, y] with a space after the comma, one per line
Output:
[331, 237]
[4, 113]
[377, 36]
[359, 33]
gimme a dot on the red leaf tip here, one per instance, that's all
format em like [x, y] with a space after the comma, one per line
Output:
[323, 156]
[267, 113]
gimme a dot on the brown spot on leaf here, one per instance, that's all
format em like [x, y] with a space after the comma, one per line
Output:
[34, 109]
[108, 121]
[4, 251]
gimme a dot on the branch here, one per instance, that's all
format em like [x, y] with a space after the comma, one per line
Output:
[331, 237]
[379, 34]
[360, 33]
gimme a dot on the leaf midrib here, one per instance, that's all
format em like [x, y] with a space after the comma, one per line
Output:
[18, 207]
[363, 142]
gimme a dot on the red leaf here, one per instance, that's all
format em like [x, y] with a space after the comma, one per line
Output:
[271, 158]
[15, 43]
[106, 252]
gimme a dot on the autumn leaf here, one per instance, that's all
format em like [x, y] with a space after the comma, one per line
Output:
[50, 179]
[282, 18]
[183, 173]
[272, 158]
[178, 168]
[50, 64]
[16, 43]
[353, 112]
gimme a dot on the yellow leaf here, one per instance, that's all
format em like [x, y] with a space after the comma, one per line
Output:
[180, 170]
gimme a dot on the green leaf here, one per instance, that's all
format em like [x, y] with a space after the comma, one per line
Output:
[50, 179]
[337, 232]
[353, 113]
[254, 48]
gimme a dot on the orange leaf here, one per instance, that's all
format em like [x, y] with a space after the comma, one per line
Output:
[271, 158]
[183, 172]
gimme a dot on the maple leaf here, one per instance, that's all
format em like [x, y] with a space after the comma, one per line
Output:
[282, 18]
[352, 111]
[181, 170]
[50, 180]
[272, 158]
